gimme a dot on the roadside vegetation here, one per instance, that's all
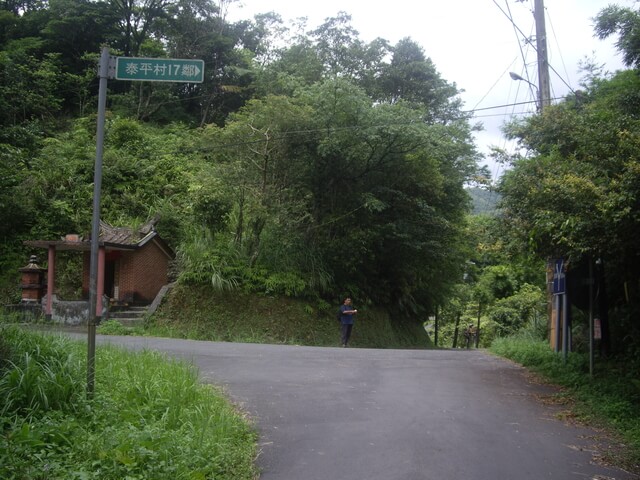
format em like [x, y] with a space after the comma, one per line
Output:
[149, 418]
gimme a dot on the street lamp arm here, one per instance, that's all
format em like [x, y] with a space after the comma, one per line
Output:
[515, 76]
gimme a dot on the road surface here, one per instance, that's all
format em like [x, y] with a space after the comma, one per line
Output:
[364, 414]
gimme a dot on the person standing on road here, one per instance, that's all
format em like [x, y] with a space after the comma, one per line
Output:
[347, 317]
[469, 335]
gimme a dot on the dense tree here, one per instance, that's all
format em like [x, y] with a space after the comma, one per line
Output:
[340, 170]
[77, 28]
[137, 20]
[21, 7]
[143, 169]
[501, 290]
[336, 187]
[412, 77]
[331, 50]
[389, 74]
[576, 196]
[261, 158]
[29, 83]
[200, 30]
[625, 22]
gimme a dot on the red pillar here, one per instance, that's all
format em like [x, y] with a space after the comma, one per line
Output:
[100, 280]
[51, 267]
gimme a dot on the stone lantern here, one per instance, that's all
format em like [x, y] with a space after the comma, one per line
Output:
[32, 282]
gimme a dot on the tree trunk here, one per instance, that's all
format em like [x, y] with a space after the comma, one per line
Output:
[478, 326]
[435, 335]
[455, 332]
[603, 310]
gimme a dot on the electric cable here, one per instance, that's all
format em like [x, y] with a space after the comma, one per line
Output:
[528, 40]
[564, 66]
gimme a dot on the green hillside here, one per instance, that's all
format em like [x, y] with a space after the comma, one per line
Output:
[484, 201]
[202, 314]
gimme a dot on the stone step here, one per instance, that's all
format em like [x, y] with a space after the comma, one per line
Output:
[129, 308]
[127, 313]
[131, 322]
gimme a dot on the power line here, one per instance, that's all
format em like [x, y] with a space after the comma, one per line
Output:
[290, 134]
[494, 84]
[515, 29]
[528, 41]
[564, 66]
[507, 105]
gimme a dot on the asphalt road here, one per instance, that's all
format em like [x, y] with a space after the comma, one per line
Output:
[362, 414]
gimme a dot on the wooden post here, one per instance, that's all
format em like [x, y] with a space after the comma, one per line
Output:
[544, 84]
[51, 268]
[456, 331]
[100, 282]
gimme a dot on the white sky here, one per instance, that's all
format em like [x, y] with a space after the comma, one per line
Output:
[472, 43]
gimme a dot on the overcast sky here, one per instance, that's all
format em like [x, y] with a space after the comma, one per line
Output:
[473, 44]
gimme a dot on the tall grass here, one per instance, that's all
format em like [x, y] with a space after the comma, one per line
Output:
[150, 418]
[610, 398]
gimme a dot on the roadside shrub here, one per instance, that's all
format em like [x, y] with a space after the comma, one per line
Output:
[518, 310]
[288, 284]
[114, 327]
[5, 350]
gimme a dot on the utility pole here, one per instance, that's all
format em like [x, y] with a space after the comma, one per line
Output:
[558, 316]
[544, 84]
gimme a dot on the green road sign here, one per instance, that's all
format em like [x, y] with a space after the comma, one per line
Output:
[159, 70]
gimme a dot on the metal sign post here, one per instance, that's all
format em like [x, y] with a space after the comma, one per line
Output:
[103, 74]
[122, 68]
[591, 322]
[559, 291]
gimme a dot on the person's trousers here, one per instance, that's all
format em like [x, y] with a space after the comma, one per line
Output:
[346, 332]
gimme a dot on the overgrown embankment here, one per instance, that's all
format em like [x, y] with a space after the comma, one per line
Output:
[203, 314]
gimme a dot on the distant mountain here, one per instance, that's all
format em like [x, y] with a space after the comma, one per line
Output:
[484, 201]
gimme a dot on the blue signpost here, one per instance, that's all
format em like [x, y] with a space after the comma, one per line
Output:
[559, 277]
[559, 289]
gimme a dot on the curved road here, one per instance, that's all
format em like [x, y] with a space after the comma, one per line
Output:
[362, 414]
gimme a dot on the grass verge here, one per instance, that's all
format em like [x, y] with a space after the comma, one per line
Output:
[199, 313]
[610, 399]
[149, 418]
